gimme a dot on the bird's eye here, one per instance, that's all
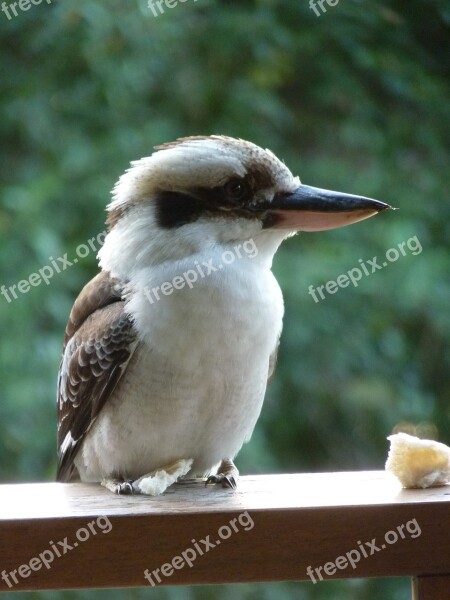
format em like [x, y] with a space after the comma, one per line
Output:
[235, 189]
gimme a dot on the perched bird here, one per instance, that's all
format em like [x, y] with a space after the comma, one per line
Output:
[168, 350]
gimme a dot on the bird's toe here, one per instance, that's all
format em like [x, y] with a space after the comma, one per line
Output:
[118, 486]
[226, 476]
[125, 488]
[229, 482]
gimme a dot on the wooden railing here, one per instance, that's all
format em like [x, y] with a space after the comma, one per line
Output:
[272, 528]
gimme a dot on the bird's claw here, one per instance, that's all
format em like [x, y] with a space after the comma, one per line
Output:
[118, 486]
[227, 481]
[125, 488]
[226, 476]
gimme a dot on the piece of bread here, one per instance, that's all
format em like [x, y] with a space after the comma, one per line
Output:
[418, 463]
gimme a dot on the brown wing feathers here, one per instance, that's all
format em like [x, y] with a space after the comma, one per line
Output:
[98, 343]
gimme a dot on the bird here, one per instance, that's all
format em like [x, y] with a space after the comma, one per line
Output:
[168, 350]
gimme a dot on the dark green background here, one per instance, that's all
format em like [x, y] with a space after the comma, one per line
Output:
[356, 100]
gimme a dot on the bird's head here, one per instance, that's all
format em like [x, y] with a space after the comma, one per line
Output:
[198, 192]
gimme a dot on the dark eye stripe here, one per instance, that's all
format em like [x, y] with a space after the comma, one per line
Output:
[174, 209]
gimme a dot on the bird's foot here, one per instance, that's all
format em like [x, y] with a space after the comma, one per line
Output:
[152, 484]
[227, 475]
[118, 486]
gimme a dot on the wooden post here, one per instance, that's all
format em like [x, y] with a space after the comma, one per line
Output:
[432, 587]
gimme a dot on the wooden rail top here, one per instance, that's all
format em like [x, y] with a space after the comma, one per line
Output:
[310, 527]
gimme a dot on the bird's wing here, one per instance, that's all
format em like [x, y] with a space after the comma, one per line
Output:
[98, 344]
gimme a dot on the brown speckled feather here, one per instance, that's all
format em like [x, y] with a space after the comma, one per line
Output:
[98, 343]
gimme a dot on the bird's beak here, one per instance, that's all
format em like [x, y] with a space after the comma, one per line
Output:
[313, 209]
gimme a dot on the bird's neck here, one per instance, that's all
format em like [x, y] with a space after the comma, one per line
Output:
[136, 244]
[178, 280]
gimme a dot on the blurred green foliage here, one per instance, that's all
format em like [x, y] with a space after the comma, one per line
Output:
[356, 99]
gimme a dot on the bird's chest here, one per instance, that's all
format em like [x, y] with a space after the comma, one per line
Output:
[195, 385]
[222, 326]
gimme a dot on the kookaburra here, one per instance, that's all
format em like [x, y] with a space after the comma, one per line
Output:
[163, 374]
